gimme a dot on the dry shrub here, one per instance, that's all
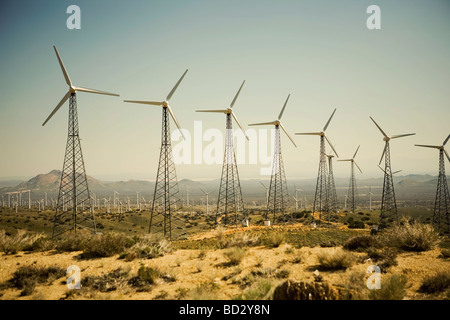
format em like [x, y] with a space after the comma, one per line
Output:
[148, 247]
[22, 240]
[409, 236]
[299, 290]
[73, 241]
[355, 286]
[108, 282]
[27, 277]
[104, 245]
[436, 283]
[361, 243]
[274, 239]
[259, 291]
[208, 290]
[235, 255]
[335, 259]
[393, 287]
[243, 239]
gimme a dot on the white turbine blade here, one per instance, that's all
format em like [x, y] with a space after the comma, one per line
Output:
[384, 134]
[236, 96]
[218, 111]
[284, 107]
[384, 151]
[427, 146]
[203, 191]
[329, 142]
[153, 103]
[263, 185]
[263, 123]
[346, 160]
[357, 166]
[282, 127]
[309, 133]
[396, 172]
[63, 68]
[326, 125]
[64, 99]
[446, 140]
[95, 91]
[402, 135]
[239, 124]
[356, 152]
[176, 86]
[448, 158]
[175, 120]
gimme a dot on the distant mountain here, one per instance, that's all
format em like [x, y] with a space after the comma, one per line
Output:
[49, 183]
[251, 188]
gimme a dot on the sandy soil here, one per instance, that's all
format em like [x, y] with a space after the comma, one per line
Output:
[190, 270]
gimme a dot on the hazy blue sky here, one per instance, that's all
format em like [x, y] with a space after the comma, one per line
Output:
[321, 52]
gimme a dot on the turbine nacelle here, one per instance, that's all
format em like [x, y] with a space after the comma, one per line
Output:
[229, 110]
[165, 103]
[72, 89]
[277, 123]
[322, 133]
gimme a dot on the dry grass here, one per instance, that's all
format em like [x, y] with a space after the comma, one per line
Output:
[22, 240]
[393, 287]
[409, 236]
[235, 255]
[335, 259]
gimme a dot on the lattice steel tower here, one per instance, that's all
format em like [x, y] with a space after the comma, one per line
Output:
[278, 194]
[230, 205]
[332, 203]
[320, 198]
[441, 212]
[164, 219]
[352, 190]
[73, 210]
[388, 212]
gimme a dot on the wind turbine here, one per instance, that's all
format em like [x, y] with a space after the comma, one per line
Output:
[207, 201]
[370, 198]
[230, 200]
[322, 176]
[352, 191]
[278, 193]
[70, 215]
[388, 204]
[163, 218]
[442, 201]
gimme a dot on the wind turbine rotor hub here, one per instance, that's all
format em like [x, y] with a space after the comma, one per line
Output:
[165, 104]
[386, 139]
